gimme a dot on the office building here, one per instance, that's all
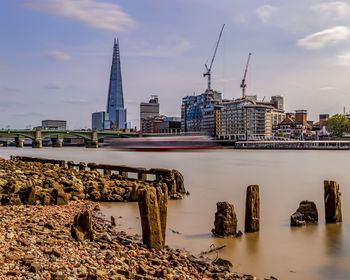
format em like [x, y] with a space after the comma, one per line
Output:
[98, 121]
[198, 112]
[115, 103]
[149, 109]
[170, 125]
[150, 125]
[54, 124]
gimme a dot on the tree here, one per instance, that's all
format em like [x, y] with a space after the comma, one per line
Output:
[338, 125]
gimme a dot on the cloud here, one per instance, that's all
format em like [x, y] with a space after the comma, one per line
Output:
[58, 55]
[11, 89]
[328, 88]
[168, 50]
[93, 13]
[320, 39]
[265, 12]
[55, 85]
[76, 102]
[344, 59]
[338, 10]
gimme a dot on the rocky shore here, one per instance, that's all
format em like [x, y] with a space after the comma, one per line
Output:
[42, 204]
[36, 243]
[33, 183]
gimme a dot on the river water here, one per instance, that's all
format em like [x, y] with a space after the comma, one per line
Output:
[285, 178]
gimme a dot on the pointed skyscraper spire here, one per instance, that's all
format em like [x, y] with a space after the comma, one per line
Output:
[115, 104]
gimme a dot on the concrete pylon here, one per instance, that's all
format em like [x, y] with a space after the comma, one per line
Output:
[37, 142]
[19, 142]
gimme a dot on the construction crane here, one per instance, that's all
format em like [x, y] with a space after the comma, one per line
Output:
[243, 84]
[208, 73]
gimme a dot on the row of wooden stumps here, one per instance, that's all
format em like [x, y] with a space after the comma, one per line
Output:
[226, 219]
[307, 212]
[153, 204]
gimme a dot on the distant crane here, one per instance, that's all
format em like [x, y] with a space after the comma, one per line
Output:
[243, 84]
[208, 73]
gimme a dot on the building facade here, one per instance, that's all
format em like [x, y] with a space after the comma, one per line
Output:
[98, 121]
[244, 119]
[54, 124]
[198, 113]
[170, 125]
[150, 125]
[115, 103]
[149, 110]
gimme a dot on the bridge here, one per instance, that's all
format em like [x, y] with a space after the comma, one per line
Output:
[91, 137]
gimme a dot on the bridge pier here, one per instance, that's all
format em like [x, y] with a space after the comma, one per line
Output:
[57, 142]
[93, 143]
[37, 142]
[19, 142]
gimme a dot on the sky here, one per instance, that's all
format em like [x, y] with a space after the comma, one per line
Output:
[55, 55]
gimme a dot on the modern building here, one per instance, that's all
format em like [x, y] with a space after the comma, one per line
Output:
[170, 125]
[243, 119]
[54, 124]
[198, 112]
[149, 109]
[98, 121]
[150, 125]
[278, 102]
[115, 103]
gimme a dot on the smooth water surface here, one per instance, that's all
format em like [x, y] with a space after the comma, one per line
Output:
[285, 178]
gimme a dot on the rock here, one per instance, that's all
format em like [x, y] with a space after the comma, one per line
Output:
[150, 219]
[252, 209]
[224, 263]
[225, 220]
[35, 267]
[82, 226]
[333, 213]
[305, 214]
[113, 221]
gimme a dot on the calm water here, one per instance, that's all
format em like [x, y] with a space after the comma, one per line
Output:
[285, 178]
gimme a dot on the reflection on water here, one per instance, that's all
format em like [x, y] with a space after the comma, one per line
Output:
[252, 242]
[334, 239]
[285, 178]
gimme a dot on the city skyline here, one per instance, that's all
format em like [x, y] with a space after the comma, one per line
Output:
[55, 55]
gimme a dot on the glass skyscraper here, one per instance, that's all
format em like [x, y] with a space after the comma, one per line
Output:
[116, 113]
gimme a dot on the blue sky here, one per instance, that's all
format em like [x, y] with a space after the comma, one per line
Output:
[55, 55]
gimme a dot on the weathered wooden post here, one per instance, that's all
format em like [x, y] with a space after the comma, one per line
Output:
[225, 220]
[252, 209]
[332, 202]
[82, 166]
[162, 197]
[150, 219]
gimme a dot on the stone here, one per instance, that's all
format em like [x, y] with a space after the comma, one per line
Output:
[113, 223]
[333, 213]
[225, 220]
[305, 214]
[252, 209]
[82, 226]
[150, 219]
[35, 267]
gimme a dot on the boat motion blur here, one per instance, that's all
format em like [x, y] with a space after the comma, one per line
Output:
[167, 143]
